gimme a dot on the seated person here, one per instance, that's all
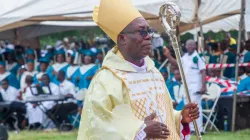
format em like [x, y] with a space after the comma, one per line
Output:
[64, 108]
[48, 88]
[244, 83]
[10, 94]
[34, 115]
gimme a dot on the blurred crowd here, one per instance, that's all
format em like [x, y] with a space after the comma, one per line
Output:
[68, 66]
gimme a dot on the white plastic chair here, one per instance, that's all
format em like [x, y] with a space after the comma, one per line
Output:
[210, 114]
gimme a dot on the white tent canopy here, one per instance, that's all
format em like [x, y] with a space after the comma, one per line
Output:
[214, 14]
[226, 24]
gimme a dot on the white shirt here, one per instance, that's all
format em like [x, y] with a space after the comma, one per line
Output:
[66, 87]
[10, 94]
[192, 71]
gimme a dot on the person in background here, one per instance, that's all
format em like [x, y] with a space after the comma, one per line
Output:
[20, 72]
[7, 75]
[11, 65]
[100, 54]
[243, 52]
[64, 109]
[229, 57]
[242, 73]
[172, 68]
[20, 61]
[99, 59]
[10, 94]
[215, 55]
[207, 52]
[30, 71]
[195, 72]
[30, 54]
[178, 90]
[247, 52]
[44, 63]
[247, 68]
[35, 115]
[169, 83]
[60, 64]
[71, 72]
[231, 40]
[48, 52]
[164, 73]
[154, 58]
[49, 88]
[244, 80]
[233, 49]
[86, 70]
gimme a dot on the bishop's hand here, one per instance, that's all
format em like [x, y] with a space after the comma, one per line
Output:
[155, 129]
[189, 113]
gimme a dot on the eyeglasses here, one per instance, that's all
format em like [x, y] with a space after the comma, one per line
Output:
[142, 32]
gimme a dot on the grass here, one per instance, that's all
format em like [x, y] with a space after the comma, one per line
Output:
[42, 135]
[240, 135]
[55, 135]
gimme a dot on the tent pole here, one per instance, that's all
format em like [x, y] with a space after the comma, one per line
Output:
[17, 37]
[202, 39]
[237, 64]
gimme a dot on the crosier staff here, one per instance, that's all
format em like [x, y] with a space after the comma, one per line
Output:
[170, 17]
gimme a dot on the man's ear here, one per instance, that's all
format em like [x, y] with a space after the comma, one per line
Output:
[121, 39]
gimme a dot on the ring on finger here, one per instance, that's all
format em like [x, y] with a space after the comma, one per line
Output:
[162, 132]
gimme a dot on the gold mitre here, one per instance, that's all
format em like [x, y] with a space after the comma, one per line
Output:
[112, 16]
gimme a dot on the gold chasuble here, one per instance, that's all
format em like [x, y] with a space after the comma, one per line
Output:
[119, 98]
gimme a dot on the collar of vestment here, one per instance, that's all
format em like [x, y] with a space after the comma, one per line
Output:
[142, 68]
[115, 60]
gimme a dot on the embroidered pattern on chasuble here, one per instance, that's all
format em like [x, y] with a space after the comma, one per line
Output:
[147, 93]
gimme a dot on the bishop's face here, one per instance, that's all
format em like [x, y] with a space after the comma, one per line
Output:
[138, 40]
